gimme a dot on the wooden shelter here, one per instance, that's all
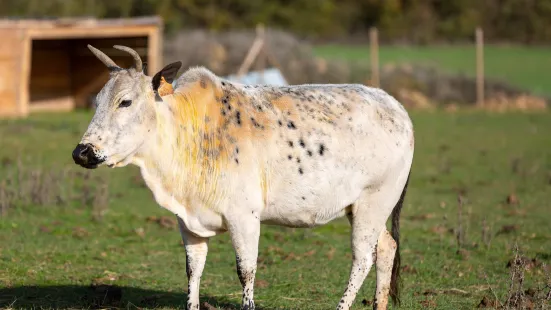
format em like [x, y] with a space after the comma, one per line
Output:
[45, 65]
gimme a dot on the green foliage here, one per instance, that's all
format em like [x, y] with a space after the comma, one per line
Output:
[422, 21]
[51, 255]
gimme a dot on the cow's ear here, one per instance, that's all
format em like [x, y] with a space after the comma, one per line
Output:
[168, 72]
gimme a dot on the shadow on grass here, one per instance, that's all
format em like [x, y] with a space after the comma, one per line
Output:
[103, 296]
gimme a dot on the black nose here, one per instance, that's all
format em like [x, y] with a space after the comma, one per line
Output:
[84, 155]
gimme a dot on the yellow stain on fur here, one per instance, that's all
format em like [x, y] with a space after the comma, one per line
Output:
[285, 104]
[197, 155]
[264, 180]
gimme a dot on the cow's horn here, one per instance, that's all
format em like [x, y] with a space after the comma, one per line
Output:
[137, 59]
[103, 58]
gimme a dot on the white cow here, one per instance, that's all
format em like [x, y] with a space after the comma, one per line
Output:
[228, 157]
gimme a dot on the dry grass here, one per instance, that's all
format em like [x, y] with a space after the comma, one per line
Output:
[23, 186]
[518, 296]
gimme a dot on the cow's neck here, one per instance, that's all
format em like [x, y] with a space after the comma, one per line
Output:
[183, 156]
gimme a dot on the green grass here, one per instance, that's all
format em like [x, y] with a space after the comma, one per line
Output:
[522, 66]
[50, 255]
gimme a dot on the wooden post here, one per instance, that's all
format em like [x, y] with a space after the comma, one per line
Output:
[253, 52]
[261, 62]
[479, 67]
[25, 74]
[374, 55]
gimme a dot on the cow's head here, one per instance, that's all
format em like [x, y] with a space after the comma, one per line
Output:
[125, 117]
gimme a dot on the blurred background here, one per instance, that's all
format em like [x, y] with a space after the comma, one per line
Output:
[474, 76]
[426, 51]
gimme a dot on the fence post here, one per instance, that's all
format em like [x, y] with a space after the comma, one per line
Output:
[374, 55]
[261, 61]
[254, 50]
[479, 67]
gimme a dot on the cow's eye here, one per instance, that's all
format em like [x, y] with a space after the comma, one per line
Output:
[125, 103]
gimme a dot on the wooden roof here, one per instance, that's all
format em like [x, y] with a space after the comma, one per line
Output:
[82, 22]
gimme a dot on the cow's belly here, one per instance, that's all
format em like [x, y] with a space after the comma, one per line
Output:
[314, 199]
[301, 217]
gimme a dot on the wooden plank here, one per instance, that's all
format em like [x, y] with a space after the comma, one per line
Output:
[105, 32]
[61, 104]
[108, 42]
[25, 69]
[10, 42]
[8, 69]
[9, 72]
[8, 103]
[155, 51]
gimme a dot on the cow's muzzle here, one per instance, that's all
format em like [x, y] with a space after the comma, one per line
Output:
[85, 156]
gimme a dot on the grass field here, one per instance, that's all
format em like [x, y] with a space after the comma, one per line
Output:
[525, 67]
[57, 251]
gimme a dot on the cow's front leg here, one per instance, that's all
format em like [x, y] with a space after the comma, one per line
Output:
[196, 255]
[245, 232]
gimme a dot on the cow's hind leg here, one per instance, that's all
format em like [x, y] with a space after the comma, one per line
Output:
[196, 255]
[386, 249]
[367, 216]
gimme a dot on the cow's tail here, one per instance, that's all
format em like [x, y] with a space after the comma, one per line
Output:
[395, 278]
